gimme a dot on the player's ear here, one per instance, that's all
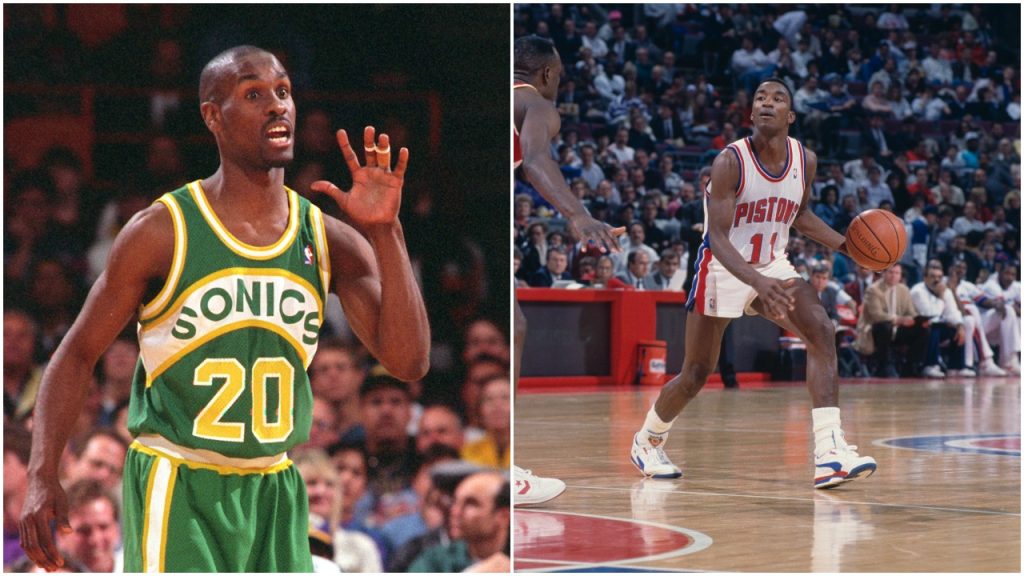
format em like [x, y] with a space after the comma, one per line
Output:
[210, 113]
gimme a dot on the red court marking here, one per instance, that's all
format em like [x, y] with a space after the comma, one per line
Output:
[541, 536]
[998, 443]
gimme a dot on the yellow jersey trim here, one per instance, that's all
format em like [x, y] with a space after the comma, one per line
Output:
[240, 271]
[279, 466]
[193, 345]
[316, 218]
[146, 508]
[177, 263]
[165, 522]
[237, 246]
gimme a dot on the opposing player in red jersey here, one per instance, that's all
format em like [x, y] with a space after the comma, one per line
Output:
[537, 73]
[759, 188]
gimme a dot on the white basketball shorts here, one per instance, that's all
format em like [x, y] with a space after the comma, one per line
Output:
[716, 292]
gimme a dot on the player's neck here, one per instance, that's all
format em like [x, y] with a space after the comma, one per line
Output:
[246, 190]
[770, 148]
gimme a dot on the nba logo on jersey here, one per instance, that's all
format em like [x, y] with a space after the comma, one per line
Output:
[307, 252]
[711, 303]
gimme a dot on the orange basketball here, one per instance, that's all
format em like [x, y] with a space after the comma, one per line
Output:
[876, 239]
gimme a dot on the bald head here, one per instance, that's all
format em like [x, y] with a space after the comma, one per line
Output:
[223, 66]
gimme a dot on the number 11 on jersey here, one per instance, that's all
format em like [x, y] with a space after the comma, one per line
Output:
[757, 240]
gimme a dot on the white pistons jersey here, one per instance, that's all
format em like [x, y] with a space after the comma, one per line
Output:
[766, 204]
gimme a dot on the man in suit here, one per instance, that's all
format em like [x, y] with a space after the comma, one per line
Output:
[666, 127]
[668, 276]
[637, 265]
[555, 269]
[887, 321]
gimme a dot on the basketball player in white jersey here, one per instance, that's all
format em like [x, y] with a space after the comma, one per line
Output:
[537, 72]
[759, 188]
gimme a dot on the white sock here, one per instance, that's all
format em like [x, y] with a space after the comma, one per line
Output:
[827, 428]
[655, 429]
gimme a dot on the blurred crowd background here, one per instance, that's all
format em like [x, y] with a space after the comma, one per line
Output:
[911, 109]
[101, 117]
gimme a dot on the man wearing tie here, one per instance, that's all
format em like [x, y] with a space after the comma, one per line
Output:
[668, 276]
[637, 265]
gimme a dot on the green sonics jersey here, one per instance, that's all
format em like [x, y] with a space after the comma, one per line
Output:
[225, 344]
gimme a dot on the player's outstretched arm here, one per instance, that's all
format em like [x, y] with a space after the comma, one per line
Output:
[807, 222]
[371, 271]
[141, 252]
[725, 175]
[540, 124]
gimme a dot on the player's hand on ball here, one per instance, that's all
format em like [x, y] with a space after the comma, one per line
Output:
[596, 235]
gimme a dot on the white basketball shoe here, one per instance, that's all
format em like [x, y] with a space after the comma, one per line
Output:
[989, 368]
[528, 489]
[650, 458]
[841, 463]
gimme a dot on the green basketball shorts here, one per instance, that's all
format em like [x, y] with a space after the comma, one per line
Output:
[185, 511]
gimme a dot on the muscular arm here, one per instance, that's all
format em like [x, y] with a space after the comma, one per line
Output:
[807, 222]
[540, 124]
[373, 278]
[141, 252]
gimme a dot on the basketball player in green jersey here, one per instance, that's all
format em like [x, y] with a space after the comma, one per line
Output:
[229, 275]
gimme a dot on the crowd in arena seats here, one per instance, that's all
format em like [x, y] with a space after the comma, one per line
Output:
[386, 460]
[911, 109]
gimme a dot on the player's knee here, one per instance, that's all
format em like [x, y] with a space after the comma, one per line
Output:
[696, 374]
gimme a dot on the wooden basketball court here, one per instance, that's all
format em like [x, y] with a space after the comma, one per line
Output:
[946, 496]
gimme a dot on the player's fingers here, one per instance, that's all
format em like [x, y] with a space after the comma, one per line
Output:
[403, 162]
[369, 146]
[618, 231]
[383, 149]
[347, 152]
[325, 187]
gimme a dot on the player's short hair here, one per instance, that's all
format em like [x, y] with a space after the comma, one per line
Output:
[210, 76]
[531, 53]
[777, 80]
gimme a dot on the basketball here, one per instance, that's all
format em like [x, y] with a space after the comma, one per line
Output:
[876, 239]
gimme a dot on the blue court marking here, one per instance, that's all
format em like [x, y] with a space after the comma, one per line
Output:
[952, 443]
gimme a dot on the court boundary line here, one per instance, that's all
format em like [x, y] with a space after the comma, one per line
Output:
[801, 499]
[701, 541]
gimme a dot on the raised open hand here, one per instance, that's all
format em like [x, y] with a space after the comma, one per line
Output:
[376, 193]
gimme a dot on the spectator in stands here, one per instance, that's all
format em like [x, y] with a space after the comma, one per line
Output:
[335, 375]
[27, 225]
[493, 450]
[668, 275]
[439, 424]
[667, 127]
[928, 107]
[750, 65]
[726, 137]
[604, 275]
[21, 372]
[535, 253]
[977, 356]
[323, 432]
[901, 109]
[828, 209]
[480, 520]
[875, 139]
[386, 406]
[878, 191]
[875, 103]
[117, 367]
[653, 234]
[946, 191]
[937, 68]
[590, 171]
[857, 287]
[100, 457]
[887, 322]
[934, 301]
[969, 221]
[958, 252]
[95, 535]
[353, 551]
[555, 269]
[636, 274]
[1001, 317]
[620, 150]
[591, 40]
